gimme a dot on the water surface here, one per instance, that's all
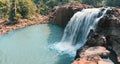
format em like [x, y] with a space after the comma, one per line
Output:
[30, 45]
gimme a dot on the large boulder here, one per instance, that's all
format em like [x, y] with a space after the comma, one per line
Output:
[109, 25]
[61, 14]
[96, 40]
[111, 19]
[85, 61]
[94, 52]
[92, 55]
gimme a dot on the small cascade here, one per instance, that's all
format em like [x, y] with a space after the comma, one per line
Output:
[77, 30]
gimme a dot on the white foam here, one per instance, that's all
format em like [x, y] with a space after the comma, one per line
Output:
[64, 48]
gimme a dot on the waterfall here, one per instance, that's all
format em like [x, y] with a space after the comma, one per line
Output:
[78, 28]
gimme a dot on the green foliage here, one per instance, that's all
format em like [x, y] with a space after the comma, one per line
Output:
[26, 8]
[45, 5]
[17, 16]
[92, 2]
[80, 1]
[102, 2]
[13, 9]
[51, 3]
[42, 8]
[4, 7]
[21, 9]
[112, 3]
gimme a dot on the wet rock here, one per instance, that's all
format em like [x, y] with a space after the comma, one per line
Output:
[85, 61]
[93, 52]
[116, 45]
[92, 55]
[111, 19]
[96, 40]
[109, 25]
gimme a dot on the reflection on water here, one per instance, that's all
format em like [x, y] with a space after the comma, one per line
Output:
[30, 46]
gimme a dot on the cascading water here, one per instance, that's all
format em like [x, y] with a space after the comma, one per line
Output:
[77, 30]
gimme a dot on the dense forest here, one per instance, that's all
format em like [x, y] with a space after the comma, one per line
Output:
[15, 9]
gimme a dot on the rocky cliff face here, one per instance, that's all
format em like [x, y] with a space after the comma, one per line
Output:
[61, 14]
[92, 55]
[107, 36]
[110, 27]
[103, 43]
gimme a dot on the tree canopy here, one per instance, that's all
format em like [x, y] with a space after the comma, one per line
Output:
[15, 9]
[21, 9]
[4, 7]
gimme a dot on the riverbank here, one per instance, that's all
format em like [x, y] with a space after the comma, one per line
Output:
[22, 23]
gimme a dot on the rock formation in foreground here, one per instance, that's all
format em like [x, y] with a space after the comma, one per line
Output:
[109, 26]
[92, 55]
[103, 43]
[106, 40]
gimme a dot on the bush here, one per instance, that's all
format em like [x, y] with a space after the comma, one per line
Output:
[17, 16]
